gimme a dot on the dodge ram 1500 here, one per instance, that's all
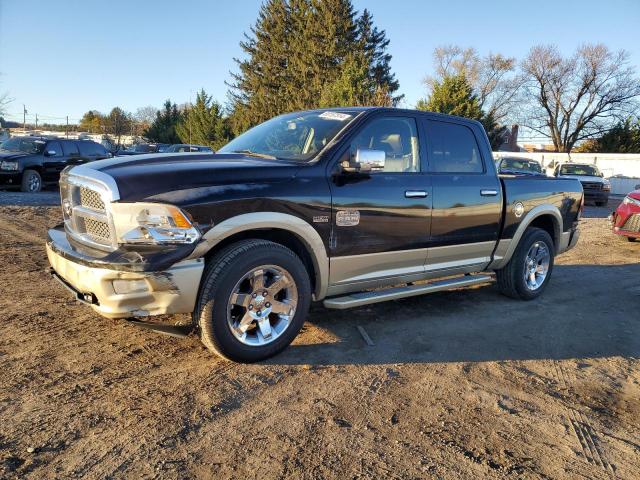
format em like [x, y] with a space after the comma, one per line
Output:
[347, 206]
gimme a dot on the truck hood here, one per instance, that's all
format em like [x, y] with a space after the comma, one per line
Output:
[7, 155]
[183, 177]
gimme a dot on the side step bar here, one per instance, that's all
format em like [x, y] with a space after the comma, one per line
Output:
[367, 298]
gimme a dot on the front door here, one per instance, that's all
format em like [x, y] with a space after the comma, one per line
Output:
[380, 220]
[53, 161]
[467, 198]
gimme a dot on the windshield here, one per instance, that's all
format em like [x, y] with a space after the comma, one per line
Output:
[520, 165]
[25, 145]
[586, 170]
[295, 136]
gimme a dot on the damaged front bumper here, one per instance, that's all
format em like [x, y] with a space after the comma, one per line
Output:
[125, 284]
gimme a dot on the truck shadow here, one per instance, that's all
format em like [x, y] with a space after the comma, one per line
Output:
[587, 311]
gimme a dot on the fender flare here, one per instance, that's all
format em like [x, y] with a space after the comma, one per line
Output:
[269, 221]
[501, 258]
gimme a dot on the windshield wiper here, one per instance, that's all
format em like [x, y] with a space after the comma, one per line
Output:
[251, 153]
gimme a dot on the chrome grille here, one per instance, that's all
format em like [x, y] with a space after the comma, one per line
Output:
[632, 224]
[96, 229]
[85, 207]
[91, 199]
[592, 186]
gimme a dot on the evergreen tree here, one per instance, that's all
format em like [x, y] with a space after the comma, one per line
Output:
[354, 86]
[453, 96]
[203, 123]
[623, 138]
[305, 53]
[374, 42]
[163, 128]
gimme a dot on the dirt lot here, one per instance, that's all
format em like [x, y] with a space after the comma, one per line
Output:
[459, 384]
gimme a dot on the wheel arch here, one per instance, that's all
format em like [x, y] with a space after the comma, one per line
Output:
[288, 230]
[546, 217]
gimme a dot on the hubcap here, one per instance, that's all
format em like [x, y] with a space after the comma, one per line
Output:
[536, 265]
[262, 305]
[34, 183]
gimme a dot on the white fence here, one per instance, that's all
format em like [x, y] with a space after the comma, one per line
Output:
[622, 169]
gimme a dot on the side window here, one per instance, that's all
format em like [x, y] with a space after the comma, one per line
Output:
[452, 148]
[69, 148]
[92, 149]
[397, 137]
[55, 146]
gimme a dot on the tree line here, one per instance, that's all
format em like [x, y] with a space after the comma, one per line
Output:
[303, 54]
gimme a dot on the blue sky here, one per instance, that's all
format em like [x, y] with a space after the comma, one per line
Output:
[66, 57]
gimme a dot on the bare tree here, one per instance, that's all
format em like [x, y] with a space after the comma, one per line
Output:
[145, 115]
[575, 98]
[492, 77]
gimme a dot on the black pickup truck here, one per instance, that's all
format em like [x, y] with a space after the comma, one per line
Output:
[348, 206]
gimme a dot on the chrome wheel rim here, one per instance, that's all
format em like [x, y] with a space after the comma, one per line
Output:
[34, 183]
[262, 305]
[536, 265]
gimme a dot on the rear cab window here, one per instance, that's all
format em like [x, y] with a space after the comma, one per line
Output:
[452, 148]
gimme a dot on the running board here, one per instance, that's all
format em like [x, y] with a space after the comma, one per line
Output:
[367, 298]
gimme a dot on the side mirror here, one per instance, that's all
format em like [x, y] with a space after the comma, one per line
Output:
[51, 153]
[365, 161]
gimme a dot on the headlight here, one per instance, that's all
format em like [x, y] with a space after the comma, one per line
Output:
[631, 201]
[152, 224]
[11, 166]
[606, 185]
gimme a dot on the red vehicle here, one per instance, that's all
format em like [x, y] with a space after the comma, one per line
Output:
[626, 218]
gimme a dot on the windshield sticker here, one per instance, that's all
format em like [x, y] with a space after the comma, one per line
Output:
[335, 116]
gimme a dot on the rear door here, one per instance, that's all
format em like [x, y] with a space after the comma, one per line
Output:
[380, 220]
[467, 195]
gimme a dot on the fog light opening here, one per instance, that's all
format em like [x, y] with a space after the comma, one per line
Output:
[123, 287]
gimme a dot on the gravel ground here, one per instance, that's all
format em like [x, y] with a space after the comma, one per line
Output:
[462, 384]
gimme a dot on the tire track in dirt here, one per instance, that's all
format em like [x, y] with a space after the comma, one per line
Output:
[582, 429]
[21, 230]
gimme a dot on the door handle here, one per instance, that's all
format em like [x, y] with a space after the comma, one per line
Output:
[415, 194]
[488, 193]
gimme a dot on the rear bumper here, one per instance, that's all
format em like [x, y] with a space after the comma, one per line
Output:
[568, 240]
[124, 294]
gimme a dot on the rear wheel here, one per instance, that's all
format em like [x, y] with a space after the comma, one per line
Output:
[254, 298]
[527, 273]
[631, 239]
[31, 181]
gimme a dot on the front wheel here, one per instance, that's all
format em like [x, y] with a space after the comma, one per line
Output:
[253, 300]
[31, 181]
[527, 273]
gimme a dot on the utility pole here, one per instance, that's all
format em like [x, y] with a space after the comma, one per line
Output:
[189, 113]
[24, 118]
[66, 129]
[36, 121]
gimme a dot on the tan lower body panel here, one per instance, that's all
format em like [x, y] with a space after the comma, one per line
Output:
[377, 270]
[155, 293]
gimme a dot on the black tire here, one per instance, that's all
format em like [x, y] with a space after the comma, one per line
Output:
[221, 275]
[511, 279]
[631, 239]
[31, 181]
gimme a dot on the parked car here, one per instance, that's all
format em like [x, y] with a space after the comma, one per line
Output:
[626, 218]
[319, 205]
[143, 148]
[181, 148]
[31, 162]
[596, 187]
[519, 166]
